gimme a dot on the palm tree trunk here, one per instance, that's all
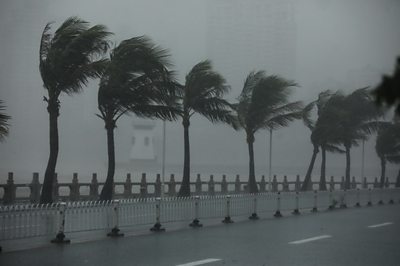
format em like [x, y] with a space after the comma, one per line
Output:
[184, 190]
[252, 185]
[107, 191]
[53, 110]
[322, 181]
[383, 171]
[347, 182]
[307, 185]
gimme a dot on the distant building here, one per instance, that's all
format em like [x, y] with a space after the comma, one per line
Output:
[251, 35]
[142, 142]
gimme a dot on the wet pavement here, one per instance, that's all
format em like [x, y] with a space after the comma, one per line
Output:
[354, 236]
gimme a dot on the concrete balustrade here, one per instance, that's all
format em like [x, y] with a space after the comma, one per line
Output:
[11, 192]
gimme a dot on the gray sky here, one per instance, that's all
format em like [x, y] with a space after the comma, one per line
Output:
[333, 45]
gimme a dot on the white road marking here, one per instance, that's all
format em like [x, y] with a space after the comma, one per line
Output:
[379, 225]
[302, 241]
[199, 262]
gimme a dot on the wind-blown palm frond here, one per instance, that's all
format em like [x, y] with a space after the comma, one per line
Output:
[72, 55]
[306, 117]
[4, 125]
[137, 80]
[203, 89]
[333, 148]
[263, 103]
[282, 120]
[388, 90]
[388, 141]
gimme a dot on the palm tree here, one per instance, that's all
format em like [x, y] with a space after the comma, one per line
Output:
[69, 58]
[324, 135]
[388, 147]
[202, 94]
[263, 104]
[136, 80]
[319, 103]
[4, 126]
[358, 119]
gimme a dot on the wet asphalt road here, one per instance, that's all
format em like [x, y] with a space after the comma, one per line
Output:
[347, 240]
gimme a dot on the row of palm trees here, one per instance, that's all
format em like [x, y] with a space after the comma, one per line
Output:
[136, 78]
[345, 121]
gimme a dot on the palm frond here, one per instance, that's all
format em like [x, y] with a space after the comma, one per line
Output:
[393, 158]
[333, 148]
[203, 82]
[250, 83]
[137, 80]
[308, 122]
[203, 94]
[4, 125]
[72, 55]
[82, 74]
[263, 102]
[216, 109]
[388, 142]
[281, 120]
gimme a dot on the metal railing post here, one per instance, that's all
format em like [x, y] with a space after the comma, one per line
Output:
[358, 198]
[343, 204]
[196, 223]
[115, 230]
[369, 197]
[60, 237]
[228, 219]
[332, 202]
[380, 202]
[296, 209]
[278, 206]
[157, 226]
[391, 201]
[254, 215]
[315, 208]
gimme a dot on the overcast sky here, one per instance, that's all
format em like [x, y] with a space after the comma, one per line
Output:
[341, 44]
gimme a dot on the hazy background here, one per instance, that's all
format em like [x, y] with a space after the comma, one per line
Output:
[321, 45]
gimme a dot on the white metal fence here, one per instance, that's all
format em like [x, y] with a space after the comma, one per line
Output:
[24, 221]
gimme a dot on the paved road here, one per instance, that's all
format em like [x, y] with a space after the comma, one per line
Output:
[364, 236]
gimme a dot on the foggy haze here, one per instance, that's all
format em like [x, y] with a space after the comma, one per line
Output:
[325, 45]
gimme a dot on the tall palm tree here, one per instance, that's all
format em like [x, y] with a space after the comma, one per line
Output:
[202, 93]
[319, 103]
[325, 133]
[69, 58]
[358, 119]
[263, 104]
[136, 80]
[388, 147]
[4, 126]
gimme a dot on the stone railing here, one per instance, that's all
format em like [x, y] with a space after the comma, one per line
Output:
[77, 191]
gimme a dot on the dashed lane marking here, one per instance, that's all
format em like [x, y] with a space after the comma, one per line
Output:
[379, 225]
[199, 262]
[306, 240]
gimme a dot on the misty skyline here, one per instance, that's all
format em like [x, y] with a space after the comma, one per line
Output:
[337, 45]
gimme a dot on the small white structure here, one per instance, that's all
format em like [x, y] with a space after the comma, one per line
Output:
[143, 140]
